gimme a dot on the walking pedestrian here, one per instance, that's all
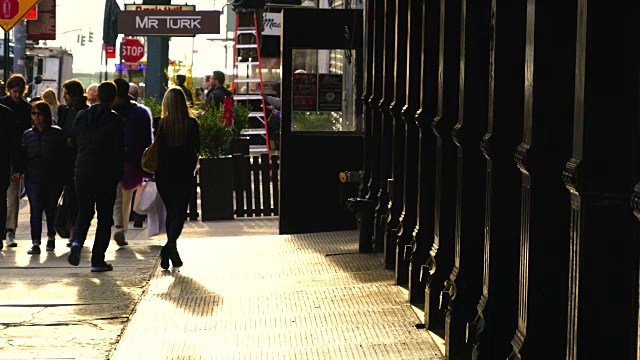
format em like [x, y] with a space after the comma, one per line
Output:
[75, 102]
[92, 93]
[180, 82]
[45, 148]
[98, 139]
[137, 137]
[217, 93]
[16, 86]
[9, 161]
[179, 137]
[51, 98]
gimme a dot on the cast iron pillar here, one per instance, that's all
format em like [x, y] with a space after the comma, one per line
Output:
[440, 261]
[408, 218]
[490, 332]
[603, 272]
[373, 104]
[381, 212]
[420, 270]
[398, 146]
[541, 156]
[464, 285]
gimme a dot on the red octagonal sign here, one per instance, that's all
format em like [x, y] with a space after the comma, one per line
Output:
[132, 50]
[9, 9]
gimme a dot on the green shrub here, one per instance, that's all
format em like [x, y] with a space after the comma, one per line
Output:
[154, 105]
[314, 121]
[214, 135]
[241, 118]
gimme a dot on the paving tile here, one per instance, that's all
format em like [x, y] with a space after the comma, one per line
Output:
[309, 296]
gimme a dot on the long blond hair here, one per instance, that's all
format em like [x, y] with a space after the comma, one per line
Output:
[175, 120]
[50, 97]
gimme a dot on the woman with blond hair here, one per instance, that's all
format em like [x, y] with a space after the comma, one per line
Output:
[50, 97]
[92, 94]
[179, 143]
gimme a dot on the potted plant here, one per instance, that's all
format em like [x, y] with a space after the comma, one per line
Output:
[239, 143]
[216, 169]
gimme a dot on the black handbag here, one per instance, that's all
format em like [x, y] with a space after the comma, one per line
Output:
[61, 222]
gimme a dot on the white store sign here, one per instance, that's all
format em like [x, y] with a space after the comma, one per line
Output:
[272, 24]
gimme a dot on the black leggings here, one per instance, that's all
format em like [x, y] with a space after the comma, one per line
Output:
[175, 193]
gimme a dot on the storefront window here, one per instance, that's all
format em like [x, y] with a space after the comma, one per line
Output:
[322, 91]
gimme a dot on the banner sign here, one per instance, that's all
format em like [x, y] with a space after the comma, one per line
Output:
[317, 92]
[168, 23]
[272, 24]
[136, 7]
[305, 92]
[329, 92]
[44, 28]
[109, 50]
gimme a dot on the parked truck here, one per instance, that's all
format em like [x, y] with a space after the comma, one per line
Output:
[55, 65]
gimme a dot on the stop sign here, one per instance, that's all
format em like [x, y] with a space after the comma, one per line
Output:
[132, 50]
[9, 9]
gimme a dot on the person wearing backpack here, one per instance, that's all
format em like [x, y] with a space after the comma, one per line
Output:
[216, 96]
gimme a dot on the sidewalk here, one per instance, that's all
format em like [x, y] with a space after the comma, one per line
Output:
[244, 293]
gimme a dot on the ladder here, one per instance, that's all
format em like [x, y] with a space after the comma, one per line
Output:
[250, 66]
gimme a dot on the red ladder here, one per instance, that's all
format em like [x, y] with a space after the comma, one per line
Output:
[235, 78]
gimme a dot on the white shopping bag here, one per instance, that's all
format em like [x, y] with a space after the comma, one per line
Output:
[146, 196]
[156, 218]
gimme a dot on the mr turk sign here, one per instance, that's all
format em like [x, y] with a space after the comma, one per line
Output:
[168, 23]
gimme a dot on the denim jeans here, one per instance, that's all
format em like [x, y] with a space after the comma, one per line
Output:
[43, 196]
[95, 191]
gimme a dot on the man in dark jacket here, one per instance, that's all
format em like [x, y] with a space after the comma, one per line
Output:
[16, 86]
[75, 102]
[137, 137]
[9, 159]
[180, 80]
[98, 139]
[216, 96]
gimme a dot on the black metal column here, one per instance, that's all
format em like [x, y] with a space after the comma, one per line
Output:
[603, 273]
[373, 101]
[491, 331]
[440, 261]
[541, 157]
[398, 145]
[388, 91]
[420, 274]
[464, 285]
[408, 218]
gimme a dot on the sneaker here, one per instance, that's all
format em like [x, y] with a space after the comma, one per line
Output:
[74, 253]
[35, 249]
[118, 236]
[11, 239]
[101, 267]
[51, 245]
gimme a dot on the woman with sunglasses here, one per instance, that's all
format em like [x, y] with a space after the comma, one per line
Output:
[46, 150]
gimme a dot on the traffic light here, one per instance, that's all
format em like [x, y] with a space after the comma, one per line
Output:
[82, 39]
[90, 36]
[78, 38]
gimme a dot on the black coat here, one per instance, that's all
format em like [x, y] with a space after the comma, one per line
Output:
[67, 116]
[46, 153]
[97, 139]
[21, 116]
[9, 146]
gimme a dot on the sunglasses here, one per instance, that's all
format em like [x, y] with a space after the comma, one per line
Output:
[37, 113]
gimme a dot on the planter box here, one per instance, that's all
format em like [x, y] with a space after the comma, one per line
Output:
[216, 188]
